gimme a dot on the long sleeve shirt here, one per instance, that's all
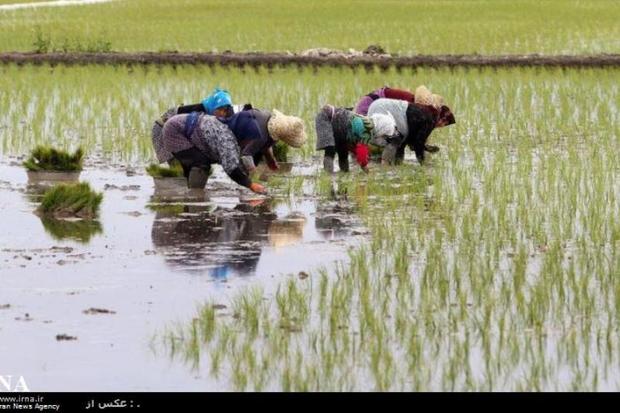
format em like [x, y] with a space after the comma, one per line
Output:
[250, 129]
[213, 138]
[397, 108]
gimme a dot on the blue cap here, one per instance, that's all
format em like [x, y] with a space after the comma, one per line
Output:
[219, 98]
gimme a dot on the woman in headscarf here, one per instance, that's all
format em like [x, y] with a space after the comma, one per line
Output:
[385, 92]
[198, 140]
[257, 131]
[414, 123]
[340, 131]
[219, 103]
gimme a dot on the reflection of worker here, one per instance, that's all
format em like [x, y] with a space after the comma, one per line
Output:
[287, 231]
[225, 241]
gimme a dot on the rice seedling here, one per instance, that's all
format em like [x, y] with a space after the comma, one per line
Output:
[280, 151]
[70, 200]
[170, 171]
[45, 158]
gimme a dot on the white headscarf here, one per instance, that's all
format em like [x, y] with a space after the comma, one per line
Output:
[385, 125]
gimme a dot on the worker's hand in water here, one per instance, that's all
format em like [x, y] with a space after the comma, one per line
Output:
[273, 165]
[257, 188]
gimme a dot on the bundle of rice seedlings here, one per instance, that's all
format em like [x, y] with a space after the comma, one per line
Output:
[280, 151]
[71, 200]
[173, 171]
[46, 158]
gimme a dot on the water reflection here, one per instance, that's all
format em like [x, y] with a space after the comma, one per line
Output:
[77, 230]
[335, 220]
[62, 229]
[221, 241]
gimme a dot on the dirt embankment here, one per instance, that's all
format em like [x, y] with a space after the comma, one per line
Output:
[312, 60]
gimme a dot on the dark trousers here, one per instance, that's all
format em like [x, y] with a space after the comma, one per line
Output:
[192, 158]
[343, 155]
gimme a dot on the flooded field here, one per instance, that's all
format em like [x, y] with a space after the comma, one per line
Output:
[495, 266]
[149, 260]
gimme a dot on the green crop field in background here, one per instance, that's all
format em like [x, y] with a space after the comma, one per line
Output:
[111, 109]
[405, 27]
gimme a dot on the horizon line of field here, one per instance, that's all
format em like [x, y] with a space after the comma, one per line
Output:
[280, 60]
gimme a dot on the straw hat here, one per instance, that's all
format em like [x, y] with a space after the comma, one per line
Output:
[423, 96]
[288, 129]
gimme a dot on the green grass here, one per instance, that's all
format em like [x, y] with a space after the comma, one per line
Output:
[71, 200]
[157, 171]
[45, 158]
[407, 27]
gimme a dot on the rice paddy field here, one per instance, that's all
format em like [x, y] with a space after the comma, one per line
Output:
[495, 266]
[408, 27]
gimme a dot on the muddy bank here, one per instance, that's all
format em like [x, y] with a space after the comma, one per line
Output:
[317, 60]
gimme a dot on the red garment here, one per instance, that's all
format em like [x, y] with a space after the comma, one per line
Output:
[362, 154]
[399, 94]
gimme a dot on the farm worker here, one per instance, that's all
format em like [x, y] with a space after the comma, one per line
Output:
[198, 140]
[340, 131]
[257, 131]
[385, 92]
[414, 123]
[219, 103]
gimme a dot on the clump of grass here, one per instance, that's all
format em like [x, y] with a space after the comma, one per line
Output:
[71, 200]
[280, 151]
[157, 171]
[46, 158]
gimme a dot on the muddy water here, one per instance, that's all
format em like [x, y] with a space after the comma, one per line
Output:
[144, 264]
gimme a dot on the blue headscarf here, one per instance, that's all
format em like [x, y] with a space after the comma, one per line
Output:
[216, 100]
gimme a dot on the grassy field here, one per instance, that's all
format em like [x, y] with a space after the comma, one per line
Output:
[406, 27]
